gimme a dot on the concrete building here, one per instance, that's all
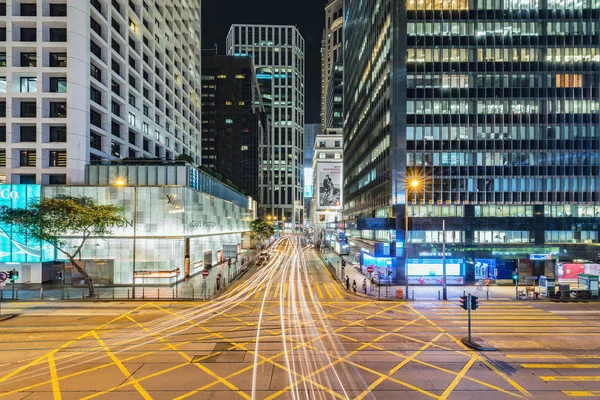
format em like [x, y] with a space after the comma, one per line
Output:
[327, 204]
[278, 53]
[234, 120]
[311, 131]
[480, 135]
[331, 47]
[82, 82]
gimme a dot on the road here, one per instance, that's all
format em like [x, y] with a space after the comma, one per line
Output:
[289, 331]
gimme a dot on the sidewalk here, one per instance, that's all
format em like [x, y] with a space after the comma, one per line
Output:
[193, 288]
[353, 272]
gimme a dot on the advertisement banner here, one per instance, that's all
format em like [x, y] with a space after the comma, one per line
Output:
[435, 280]
[329, 181]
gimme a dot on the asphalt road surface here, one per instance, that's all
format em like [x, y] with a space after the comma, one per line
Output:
[289, 331]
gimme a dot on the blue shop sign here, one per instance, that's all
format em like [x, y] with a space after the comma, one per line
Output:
[15, 247]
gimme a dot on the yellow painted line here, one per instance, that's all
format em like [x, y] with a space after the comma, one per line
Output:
[276, 291]
[582, 393]
[319, 290]
[336, 291]
[286, 287]
[541, 334]
[122, 368]
[257, 293]
[327, 290]
[569, 366]
[534, 356]
[233, 289]
[576, 378]
[54, 376]
[457, 379]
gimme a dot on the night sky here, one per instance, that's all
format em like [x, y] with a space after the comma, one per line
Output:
[307, 15]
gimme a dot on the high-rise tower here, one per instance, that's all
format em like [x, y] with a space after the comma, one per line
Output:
[89, 81]
[278, 53]
[481, 119]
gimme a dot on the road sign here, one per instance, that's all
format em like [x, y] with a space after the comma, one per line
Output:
[2, 285]
[370, 269]
[205, 273]
[3, 276]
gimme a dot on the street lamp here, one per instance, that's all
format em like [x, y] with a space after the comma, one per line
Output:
[122, 183]
[414, 184]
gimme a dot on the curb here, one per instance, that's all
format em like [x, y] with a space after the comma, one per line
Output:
[8, 316]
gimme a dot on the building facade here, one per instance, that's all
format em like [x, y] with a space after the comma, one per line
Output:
[177, 220]
[96, 81]
[311, 131]
[331, 47]
[334, 103]
[327, 204]
[479, 122]
[234, 120]
[278, 54]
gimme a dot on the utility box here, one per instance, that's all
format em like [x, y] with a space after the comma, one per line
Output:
[547, 286]
[588, 282]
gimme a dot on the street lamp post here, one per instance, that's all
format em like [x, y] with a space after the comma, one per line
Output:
[414, 184]
[444, 291]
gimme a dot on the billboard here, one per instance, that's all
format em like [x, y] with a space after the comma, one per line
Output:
[329, 181]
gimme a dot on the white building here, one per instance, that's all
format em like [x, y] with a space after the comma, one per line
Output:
[278, 53]
[327, 203]
[86, 81]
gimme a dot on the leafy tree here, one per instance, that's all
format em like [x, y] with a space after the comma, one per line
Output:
[185, 157]
[53, 218]
[261, 230]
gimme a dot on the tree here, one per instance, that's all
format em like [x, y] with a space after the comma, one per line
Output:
[186, 158]
[261, 230]
[53, 218]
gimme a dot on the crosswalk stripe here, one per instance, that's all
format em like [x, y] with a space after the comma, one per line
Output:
[276, 291]
[319, 290]
[337, 291]
[582, 393]
[569, 366]
[285, 290]
[327, 290]
[562, 378]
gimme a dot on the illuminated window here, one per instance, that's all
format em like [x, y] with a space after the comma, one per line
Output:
[228, 103]
[241, 103]
[229, 121]
[244, 148]
[569, 81]
[132, 25]
[437, 5]
[222, 76]
[239, 76]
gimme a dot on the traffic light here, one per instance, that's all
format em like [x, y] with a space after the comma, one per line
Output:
[229, 262]
[59, 276]
[463, 303]
[11, 275]
[515, 276]
[474, 302]
[343, 263]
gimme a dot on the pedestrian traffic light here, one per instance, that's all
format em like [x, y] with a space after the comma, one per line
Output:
[474, 302]
[11, 275]
[15, 274]
[229, 262]
[463, 303]
[515, 277]
[59, 276]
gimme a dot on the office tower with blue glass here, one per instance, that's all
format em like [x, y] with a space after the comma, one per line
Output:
[474, 124]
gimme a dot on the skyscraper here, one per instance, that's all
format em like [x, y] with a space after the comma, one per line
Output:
[482, 118]
[233, 119]
[96, 81]
[278, 53]
[331, 47]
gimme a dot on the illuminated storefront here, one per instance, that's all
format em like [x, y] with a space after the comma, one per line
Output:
[430, 271]
[178, 231]
[18, 251]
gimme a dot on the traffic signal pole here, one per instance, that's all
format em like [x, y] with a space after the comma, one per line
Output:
[469, 315]
[470, 303]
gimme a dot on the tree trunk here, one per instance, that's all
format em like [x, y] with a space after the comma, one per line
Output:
[88, 280]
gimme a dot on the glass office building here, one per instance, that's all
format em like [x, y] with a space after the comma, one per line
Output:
[483, 114]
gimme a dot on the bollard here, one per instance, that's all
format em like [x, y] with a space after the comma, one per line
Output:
[17, 294]
[464, 292]
[82, 294]
[113, 293]
[487, 295]
[127, 294]
[41, 293]
[438, 295]
[192, 293]
[413, 296]
[173, 294]
[68, 295]
[158, 293]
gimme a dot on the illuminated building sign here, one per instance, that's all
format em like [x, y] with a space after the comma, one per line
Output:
[14, 246]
